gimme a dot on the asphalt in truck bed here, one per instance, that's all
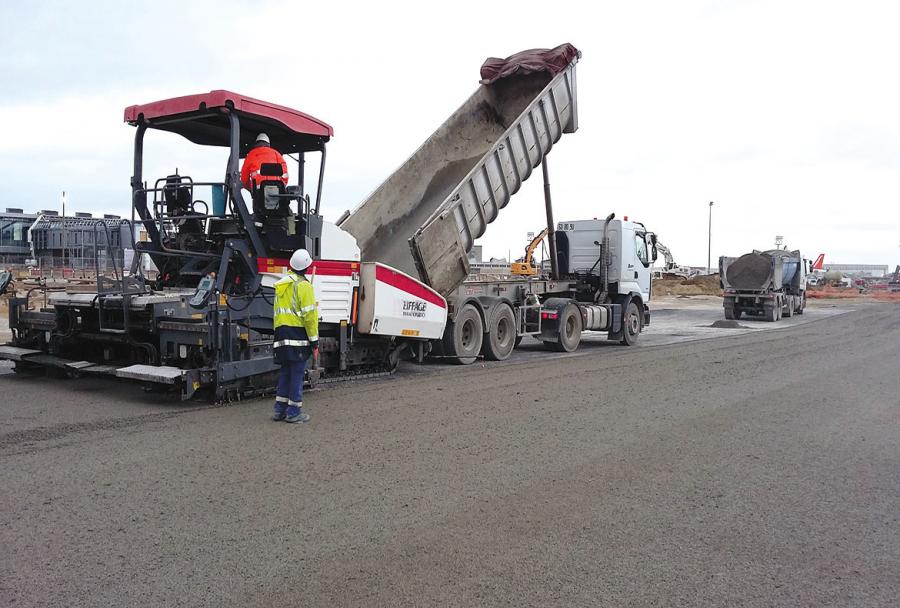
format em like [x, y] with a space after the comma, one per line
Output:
[752, 467]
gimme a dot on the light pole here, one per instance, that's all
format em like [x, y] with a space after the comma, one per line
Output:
[709, 242]
[65, 235]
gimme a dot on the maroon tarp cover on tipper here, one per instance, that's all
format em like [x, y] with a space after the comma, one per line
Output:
[526, 62]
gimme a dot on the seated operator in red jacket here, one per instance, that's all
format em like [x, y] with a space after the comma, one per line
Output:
[261, 153]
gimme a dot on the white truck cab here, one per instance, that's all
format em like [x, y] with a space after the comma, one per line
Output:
[632, 250]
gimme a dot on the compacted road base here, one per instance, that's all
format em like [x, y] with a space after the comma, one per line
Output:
[755, 470]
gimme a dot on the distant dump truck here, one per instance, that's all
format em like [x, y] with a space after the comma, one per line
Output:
[768, 284]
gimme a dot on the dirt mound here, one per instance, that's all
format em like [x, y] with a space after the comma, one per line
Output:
[828, 292]
[728, 324]
[706, 285]
[831, 293]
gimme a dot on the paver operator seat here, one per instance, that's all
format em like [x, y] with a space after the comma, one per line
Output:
[269, 193]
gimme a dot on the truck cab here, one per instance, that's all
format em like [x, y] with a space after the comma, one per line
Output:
[631, 252]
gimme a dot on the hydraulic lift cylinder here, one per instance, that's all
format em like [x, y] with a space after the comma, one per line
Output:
[551, 225]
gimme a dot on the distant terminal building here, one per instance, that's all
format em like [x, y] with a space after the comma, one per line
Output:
[14, 246]
[81, 242]
[859, 270]
[49, 241]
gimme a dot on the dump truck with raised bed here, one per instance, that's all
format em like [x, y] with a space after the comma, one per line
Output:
[768, 284]
[424, 219]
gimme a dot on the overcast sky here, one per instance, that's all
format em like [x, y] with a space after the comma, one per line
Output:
[785, 113]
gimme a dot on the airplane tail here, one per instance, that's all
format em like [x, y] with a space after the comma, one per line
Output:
[819, 263]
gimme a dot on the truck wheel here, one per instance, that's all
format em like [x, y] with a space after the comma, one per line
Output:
[789, 307]
[631, 324]
[801, 304]
[733, 314]
[463, 341]
[501, 335]
[771, 314]
[569, 330]
[731, 309]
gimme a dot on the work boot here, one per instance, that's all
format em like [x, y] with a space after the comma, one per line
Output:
[280, 411]
[295, 414]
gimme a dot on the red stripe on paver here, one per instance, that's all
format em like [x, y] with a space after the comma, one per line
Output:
[402, 282]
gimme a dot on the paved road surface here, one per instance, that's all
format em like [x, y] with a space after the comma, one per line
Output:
[759, 468]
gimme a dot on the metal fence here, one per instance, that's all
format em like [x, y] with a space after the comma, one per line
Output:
[80, 245]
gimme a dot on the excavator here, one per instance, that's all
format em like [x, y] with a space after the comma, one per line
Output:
[671, 270]
[526, 267]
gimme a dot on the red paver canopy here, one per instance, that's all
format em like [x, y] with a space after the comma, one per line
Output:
[203, 120]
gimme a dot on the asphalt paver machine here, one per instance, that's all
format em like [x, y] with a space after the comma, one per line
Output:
[202, 319]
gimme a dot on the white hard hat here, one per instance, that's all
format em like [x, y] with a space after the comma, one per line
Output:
[301, 260]
[263, 137]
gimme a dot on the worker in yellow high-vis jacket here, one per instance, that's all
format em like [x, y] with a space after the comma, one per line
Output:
[296, 336]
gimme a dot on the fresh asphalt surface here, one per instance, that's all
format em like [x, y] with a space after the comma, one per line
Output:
[735, 467]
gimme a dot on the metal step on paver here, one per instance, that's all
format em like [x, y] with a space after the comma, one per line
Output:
[96, 368]
[37, 357]
[14, 353]
[49, 360]
[79, 365]
[163, 374]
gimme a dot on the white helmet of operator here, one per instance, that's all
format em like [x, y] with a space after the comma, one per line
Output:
[263, 137]
[301, 260]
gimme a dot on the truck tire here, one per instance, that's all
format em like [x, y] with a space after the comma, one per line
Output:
[501, 334]
[728, 305]
[733, 314]
[732, 310]
[569, 330]
[771, 314]
[801, 305]
[463, 340]
[789, 306]
[631, 324]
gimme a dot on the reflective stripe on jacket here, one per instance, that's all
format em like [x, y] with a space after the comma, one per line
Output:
[296, 319]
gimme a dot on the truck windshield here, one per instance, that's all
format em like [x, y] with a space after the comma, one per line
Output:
[640, 246]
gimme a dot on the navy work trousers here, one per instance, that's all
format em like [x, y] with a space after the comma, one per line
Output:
[290, 383]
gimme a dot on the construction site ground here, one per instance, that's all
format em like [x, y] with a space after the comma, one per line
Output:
[751, 466]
